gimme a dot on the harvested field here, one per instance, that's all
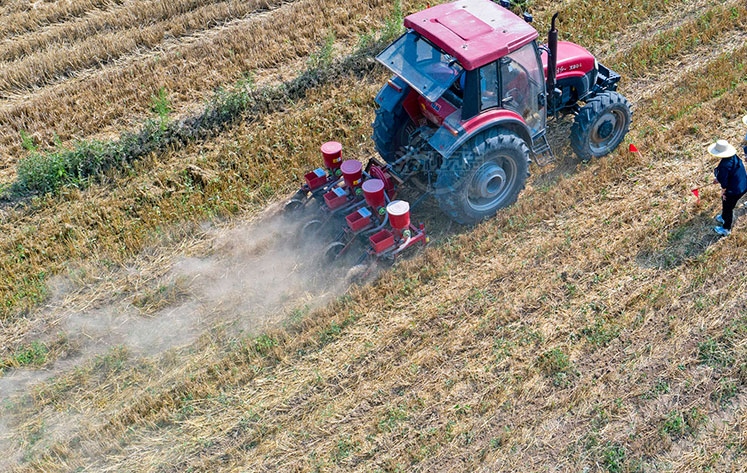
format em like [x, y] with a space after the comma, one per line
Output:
[596, 325]
[117, 94]
[69, 49]
[21, 16]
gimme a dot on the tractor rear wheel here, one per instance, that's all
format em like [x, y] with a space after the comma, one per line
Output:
[486, 174]
[391, 132]
[600, 125]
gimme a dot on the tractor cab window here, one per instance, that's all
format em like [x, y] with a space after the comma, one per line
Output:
[522, 85]
[489, 86]
[424, 67]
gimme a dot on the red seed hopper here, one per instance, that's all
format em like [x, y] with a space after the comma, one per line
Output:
[354, 206]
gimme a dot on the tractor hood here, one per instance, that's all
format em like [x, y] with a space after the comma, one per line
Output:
[573, 60]
[475, 32]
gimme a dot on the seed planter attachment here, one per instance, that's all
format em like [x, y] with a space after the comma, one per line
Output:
[354, 207]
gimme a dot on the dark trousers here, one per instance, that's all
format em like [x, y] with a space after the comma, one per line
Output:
[727, 212]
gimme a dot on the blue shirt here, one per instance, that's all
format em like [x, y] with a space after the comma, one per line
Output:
[731, 174]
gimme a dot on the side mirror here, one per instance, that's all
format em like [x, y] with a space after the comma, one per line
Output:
[528, 17]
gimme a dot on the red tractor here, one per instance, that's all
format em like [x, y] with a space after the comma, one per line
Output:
[469, 100]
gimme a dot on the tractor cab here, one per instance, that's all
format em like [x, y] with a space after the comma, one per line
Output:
[444, 86]
[469, 58]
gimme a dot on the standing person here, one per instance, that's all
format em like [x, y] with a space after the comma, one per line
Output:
[731, 175]
[744, 144]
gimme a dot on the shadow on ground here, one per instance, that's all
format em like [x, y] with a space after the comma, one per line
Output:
[683, 243]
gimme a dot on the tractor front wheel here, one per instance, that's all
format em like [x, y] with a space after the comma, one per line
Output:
[600, 125]
[486, 174]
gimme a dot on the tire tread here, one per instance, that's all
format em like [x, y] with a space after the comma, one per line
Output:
[385, 128]
[581, 127]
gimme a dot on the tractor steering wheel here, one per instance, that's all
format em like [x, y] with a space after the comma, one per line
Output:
[513, 98]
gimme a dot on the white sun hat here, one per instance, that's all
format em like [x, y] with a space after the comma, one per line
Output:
[722, 149]
[744, 119]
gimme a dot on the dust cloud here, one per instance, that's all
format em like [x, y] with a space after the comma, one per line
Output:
[256, 272]
[252, 276]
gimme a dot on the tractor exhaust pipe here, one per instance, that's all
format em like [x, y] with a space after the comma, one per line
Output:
[552, 60]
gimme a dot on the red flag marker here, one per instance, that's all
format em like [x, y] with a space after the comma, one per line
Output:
[696, 193]
[632, 148]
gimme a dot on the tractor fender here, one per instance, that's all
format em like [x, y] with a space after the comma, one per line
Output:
[392, 94]
[454, 133]
[581, 83]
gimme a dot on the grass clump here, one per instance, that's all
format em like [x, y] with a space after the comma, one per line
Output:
[46, 172]
[323, 57]
[161, 106]
[713, 353]
[345, 448]
[661, 387]
[726, 391]
[391, 418]
[27, 141]
[557, 366]
[334, 330]
[614, 459]
[264, 344]
[393, 25]
[33, 354]
[600, 333]
[111, 362]
[29, 291]
[723, 351]
[678, 423]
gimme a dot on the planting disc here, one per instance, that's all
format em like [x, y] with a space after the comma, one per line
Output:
[333, 250]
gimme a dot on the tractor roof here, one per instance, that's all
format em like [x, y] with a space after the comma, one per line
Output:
[476, 32]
